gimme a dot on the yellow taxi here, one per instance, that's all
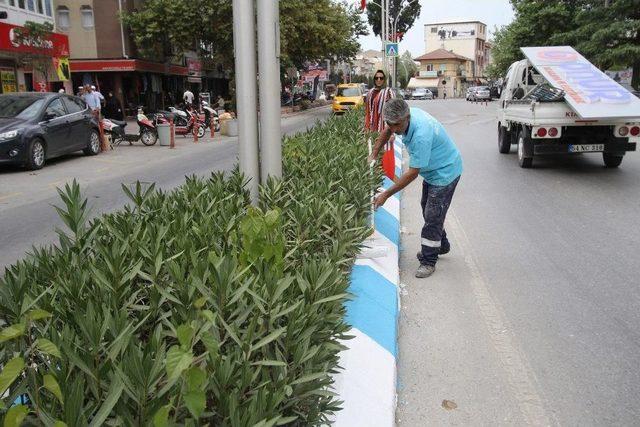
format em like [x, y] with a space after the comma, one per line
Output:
[348, 96]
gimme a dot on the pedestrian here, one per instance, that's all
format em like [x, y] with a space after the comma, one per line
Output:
[444, 93]
[112, 107]
[98, 94]
[187, 97]
[433, 156]
[220, 102]
[80, 91]
[92, 100]
[375, 101]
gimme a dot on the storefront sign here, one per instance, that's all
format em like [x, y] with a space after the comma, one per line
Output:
[424, 73]
[456, 31]
[62, 68]
[589, 91]
[309, 76]
[194, 67]
[54, 45]
[8, 77]
[115, 65]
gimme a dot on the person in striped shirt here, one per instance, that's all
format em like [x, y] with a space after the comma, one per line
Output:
[374, 102]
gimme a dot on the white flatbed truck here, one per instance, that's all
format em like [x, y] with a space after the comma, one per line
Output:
[555, 101]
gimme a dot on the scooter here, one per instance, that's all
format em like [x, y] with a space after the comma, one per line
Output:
[185, 121]
[210, 114]
[147, 134]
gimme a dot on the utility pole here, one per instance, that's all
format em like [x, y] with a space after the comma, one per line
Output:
[269, 54]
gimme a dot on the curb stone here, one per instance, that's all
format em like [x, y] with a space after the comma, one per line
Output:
[367, 383]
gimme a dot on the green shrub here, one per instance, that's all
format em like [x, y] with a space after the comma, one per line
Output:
[191, 307]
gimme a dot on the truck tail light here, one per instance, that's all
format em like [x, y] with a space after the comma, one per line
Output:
[553, 132]
[635, 131]
[623, 131]
[542, 132]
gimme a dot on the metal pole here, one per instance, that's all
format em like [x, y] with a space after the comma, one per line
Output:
[245, 62]
[269, 67]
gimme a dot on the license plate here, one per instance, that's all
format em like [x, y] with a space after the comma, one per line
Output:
[583, 148]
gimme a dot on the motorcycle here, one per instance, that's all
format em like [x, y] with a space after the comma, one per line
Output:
[147, 133]
[210, 114]
[184, 121]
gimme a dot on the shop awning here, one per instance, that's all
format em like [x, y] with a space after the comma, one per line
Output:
[115, 65]
[416, 82]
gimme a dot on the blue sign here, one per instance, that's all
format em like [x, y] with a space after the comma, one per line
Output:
[391, 49]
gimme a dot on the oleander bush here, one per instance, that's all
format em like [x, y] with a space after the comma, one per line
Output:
[191, 307]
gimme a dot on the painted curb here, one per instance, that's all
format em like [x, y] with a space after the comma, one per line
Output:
[367, 383]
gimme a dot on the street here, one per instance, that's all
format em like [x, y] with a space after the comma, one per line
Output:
[28, 218]
[533, 317]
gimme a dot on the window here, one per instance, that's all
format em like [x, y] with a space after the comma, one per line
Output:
[74, 105]
[47, 7]
[55, 108]
[63, 17]
[429, 67]
[443, 67]
[39, 7]
[434, 30]
[21, 4]
[87, 17]
[31, 5]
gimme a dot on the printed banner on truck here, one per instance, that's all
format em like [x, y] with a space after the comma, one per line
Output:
[589, 91]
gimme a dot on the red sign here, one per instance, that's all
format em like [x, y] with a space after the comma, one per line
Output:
[55, 45]
[194, 66]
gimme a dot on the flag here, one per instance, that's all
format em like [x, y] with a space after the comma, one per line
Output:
[363, 4]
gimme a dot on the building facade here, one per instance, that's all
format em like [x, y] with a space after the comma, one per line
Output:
[443, 72]
[27, 63]
[465, 38]
[103, 54]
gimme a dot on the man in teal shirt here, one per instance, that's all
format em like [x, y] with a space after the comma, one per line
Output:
[433, 156]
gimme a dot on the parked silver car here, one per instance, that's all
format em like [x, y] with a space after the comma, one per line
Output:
[422, 93]
[479, 93]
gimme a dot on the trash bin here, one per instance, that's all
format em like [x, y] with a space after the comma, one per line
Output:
[232, 127]
[164, 133]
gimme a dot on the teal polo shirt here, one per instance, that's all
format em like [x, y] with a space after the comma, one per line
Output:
[431, 149]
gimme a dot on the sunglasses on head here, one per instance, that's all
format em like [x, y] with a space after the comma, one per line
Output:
[378, 78]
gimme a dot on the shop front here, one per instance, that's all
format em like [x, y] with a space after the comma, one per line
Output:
[135, 82]
[33, 64]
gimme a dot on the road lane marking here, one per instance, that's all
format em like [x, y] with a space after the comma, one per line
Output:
[10, 195]
[521, 377]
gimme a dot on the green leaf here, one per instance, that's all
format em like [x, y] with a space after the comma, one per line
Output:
[309, 377]
[177, 361]
[46, 346]
[185, 335]
[269, 363]
[115, 390]
[195, 402]
[196, 378]
[52, 385]
[200, 302]
[10, 372]
[15, 416]
[266, 340]
[38, 314]
[60, 424]
[161, 418]
[11, 332]
[331, 298]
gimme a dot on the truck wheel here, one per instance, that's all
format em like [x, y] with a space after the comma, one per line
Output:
[504, 140]
[525, 149]
[612, 160]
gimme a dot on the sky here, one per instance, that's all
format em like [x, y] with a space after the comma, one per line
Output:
[491, 12]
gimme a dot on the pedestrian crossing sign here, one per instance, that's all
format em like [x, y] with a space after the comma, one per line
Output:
[391, 49]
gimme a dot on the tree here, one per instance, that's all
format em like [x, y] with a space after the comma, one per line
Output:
[310, 31]
[606, 32]
[36, 36]
[406, 19]
[407, 68]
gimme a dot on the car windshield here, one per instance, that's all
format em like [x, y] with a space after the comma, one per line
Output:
[348, 91]
[483, 88]
[19, 107]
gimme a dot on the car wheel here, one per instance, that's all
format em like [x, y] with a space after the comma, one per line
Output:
[612, 160]
[93, 146]
[504, 140]
[36, 155]
[525, 150]
[148, 137]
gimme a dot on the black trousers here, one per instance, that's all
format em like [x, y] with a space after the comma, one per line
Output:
[435, 204]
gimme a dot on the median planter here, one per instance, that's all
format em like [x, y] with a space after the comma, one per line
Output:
[191, 307]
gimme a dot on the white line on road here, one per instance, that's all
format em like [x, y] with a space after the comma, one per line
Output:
[521, 376]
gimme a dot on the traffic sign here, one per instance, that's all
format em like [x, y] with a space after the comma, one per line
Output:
[391, 49]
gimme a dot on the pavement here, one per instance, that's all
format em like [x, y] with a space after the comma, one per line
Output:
[533, 317]
[27, 216]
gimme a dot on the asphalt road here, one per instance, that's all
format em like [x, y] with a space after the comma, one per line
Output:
[27, 217]
[533, 318]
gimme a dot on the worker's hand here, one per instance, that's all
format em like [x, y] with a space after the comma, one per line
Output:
[371, 158]
[380, 199]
